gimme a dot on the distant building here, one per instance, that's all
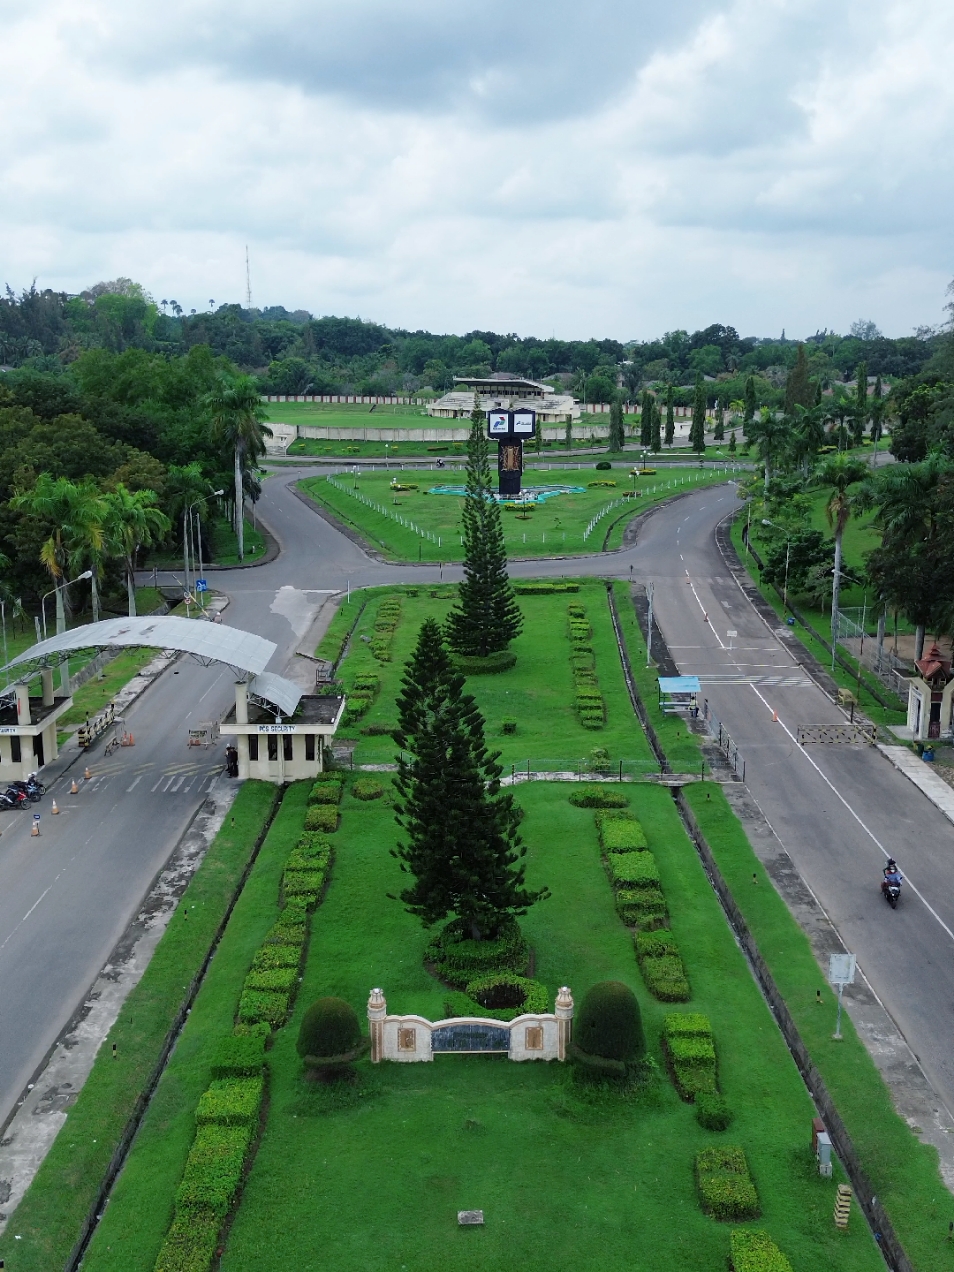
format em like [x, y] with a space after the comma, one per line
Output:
[503, 390]
[931, 697]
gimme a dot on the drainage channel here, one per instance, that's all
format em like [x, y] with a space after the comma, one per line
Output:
[876, 1217]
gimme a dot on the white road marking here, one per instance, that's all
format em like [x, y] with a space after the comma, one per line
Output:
[178, 784]
[870, 833]
[159, 782]
[136, 782]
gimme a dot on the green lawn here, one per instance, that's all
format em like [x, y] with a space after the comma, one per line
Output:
[537, 693]
[102, 688]
[375, 1183]
[561, 525]
[48, 1220]
[225, 544]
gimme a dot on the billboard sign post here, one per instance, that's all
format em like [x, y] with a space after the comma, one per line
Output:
[509, 429]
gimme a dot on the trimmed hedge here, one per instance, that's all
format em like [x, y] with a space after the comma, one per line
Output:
[367, 788]
[544, 589]
[460, 960]
[726, 1190]
[589, 702]
[257, 1006]
[713, 1112]
[364, 690]
[190, 1243]
[536, 999]
[276, 980]
[322, 817]
[690, 1054]
[230, 1102]
[609, 1026]
[238, 1057]
[665, 978]
[621, 835]
[385, 624]
[213, 1169]
[633, 870]
[325, 793]
[598, 797]
[644, 908]
[754, 1251]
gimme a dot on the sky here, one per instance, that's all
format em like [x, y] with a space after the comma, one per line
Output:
[616, 168]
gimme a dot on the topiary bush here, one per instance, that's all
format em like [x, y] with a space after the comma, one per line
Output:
[598, 797]
[508, 725]
[603, 465]
[492, 665]
[323, 817]
[330, 1034]
[644, 908]
[325, 793]
[633, 870]
[367, 788]
[713, 1112]
[608, 1031]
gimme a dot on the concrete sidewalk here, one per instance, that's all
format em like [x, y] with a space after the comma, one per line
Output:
[923, 777]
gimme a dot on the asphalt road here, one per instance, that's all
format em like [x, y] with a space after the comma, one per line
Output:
[66, 898]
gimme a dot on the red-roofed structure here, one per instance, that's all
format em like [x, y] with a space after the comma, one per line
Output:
[931, 697]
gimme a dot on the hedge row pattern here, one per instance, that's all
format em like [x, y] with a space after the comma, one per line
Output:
[544, 589]
[590, 705]
[228, 1112]
[726, 1190]
[754, 1251]
[364, 690]
[385, 625]
[689, 1048]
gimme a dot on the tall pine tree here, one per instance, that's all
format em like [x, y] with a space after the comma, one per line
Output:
[670, 416]
[655, 444]
[697, 433]
[718, 432]
[487, 617]
[617, 436]
[461, 842]
[799, 390]
[646, 419]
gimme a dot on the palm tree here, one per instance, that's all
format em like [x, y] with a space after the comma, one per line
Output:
[808, 436]
[771, 433]
[76, 513]
[236, 422]
[838, 473]
[186, 488]
[132, 522]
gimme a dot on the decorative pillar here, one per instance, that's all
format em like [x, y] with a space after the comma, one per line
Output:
[241, 745]
[65, 687]
[241, 702]
[23, 704]
[377, 1010]
[564, 1014]
[46, 679]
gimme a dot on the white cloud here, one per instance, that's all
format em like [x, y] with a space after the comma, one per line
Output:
[615, 169]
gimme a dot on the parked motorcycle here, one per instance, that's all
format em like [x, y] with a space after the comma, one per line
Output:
[13, 798]
[32, 788]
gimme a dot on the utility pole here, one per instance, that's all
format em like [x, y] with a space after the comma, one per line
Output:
[649, 627]
[248, 282]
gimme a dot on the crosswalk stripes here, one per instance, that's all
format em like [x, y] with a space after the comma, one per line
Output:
[771, 682]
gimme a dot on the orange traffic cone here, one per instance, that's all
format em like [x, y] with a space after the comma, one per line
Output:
[54, 810]
[36, 829]
[74, 789]
[775, 717]
[87, 775]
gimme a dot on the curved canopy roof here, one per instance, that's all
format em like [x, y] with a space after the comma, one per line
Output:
[285, 694]
[206, 642]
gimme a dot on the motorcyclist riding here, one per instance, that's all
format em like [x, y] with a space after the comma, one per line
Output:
[891, 883]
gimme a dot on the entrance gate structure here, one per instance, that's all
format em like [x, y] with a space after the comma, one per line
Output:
[533, 1036]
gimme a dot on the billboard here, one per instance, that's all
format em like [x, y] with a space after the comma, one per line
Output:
[502, 425]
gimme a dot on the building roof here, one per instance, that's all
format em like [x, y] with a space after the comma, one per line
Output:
[933, 664]
[206, 642]
[500, 379]
[679, 684]
[285, 694]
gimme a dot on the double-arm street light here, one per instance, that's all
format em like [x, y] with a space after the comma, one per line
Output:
[87, 574]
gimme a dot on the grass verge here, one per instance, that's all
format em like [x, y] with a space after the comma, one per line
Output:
[134, 1224]
[903, 1172]
[50, 1217]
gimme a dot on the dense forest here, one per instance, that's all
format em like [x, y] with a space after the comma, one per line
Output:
[134, 402]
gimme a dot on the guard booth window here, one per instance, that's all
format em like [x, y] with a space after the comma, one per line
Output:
[15, 750]
[253, 746]
[309, 746]
[287, 740]
[38, 750]
[273, 746]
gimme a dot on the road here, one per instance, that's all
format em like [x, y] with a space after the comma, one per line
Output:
[66, 898]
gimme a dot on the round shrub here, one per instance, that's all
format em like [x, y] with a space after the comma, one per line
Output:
[598, 797]
[460, 960]
[492, 665]
[609, 1025]
[367, 788]
[603, 465]
[713, 1112]
[508, 995]
[329, 1031]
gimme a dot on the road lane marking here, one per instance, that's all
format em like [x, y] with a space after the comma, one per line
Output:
[135, 783]
[870, 833]
[158, 783]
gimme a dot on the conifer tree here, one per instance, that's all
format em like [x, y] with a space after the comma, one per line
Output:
[461, 841]
[568, 437]
[670, 416]
[646, 419]
[732, 442]
[656, 442]
[877, 417]
[719, 431]
[487, 617]
[697, 433]
[799, 390]
[617, 435]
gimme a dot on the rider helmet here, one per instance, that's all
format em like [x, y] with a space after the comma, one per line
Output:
[892, 864]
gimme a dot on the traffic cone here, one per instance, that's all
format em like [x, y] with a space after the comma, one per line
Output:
[87, 775]
[54, 810]
[36, 829]
[74, 789]
[132, 740]
[775, 717]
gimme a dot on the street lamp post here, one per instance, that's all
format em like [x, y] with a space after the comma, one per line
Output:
[87, 574]
[788, 553]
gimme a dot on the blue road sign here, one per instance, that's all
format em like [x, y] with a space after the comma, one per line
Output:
[36, 816]
[201, 585]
